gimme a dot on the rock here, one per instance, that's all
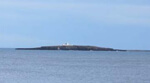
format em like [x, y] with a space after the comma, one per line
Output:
[71, 47]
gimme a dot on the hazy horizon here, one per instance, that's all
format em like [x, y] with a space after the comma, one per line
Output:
[116, 24]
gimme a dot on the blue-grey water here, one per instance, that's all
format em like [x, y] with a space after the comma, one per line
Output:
[22, 66]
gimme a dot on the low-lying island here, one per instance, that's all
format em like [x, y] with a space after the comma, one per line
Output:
[71, 47]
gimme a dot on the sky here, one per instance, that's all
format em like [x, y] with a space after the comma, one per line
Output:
[120, 24]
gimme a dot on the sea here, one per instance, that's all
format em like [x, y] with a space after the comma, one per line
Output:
[43, 66]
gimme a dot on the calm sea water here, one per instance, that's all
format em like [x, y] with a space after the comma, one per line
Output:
[22, 66]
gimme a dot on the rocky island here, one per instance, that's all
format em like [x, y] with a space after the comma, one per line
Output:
[66, 46]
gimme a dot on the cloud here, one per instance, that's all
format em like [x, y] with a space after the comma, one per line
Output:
[95, 12]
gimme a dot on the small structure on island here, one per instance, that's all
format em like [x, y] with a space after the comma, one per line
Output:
[66, 44]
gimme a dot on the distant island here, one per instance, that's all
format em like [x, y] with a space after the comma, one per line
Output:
[67, 46]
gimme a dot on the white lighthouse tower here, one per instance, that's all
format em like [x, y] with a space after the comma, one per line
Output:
[66, 44]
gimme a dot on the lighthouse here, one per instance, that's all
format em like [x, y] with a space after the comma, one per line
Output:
[66, 44]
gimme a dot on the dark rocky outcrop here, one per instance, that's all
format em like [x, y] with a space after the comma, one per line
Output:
[71, 47]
